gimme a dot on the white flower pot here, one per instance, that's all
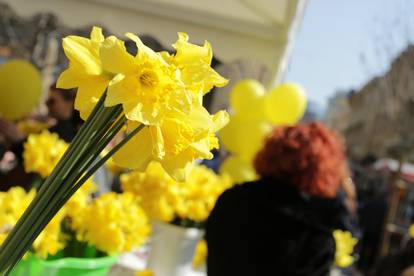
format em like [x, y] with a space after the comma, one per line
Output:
[171, 250]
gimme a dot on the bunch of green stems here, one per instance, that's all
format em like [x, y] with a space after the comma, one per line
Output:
[80, 161]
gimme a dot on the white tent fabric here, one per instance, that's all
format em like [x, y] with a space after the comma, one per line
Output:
[258, 30]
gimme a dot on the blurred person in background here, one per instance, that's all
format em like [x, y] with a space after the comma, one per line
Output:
[60, 106]
[282, 224]
[64, 120]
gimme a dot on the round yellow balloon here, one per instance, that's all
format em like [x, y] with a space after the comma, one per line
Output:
[238, 169]
[244, 137]
[247, 99]
[20, 89]
[286, 104]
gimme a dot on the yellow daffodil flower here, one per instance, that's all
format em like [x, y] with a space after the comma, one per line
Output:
[194, 63]
[178, 141]
[163, 92]
[344, 243]
[114, 223]
[145, 85]
[85, 70]
[51, 239]
[13, 203]
[78, 202]
[155, 191]
[42, 152]
[198, 194]
[163, 198]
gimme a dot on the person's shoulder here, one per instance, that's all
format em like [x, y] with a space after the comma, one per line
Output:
[243, 189]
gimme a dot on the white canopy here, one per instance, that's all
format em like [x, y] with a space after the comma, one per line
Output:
[257, 30]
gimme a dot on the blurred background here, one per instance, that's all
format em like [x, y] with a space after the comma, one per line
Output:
[355, 60]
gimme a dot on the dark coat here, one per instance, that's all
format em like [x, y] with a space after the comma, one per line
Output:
[267, 228]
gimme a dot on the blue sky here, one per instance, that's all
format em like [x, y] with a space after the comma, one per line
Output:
[344, 43]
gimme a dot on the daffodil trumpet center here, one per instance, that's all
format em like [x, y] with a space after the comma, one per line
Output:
[148, 79]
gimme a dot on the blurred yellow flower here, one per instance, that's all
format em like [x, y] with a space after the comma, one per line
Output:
[411, 231]
[85, 70]
[13, 203]
[78, 202]
[344, 243]
[114, 223]
[155, 191]
[145, 272]
[198, 194]
[32, 126]
[42, 152]
[51, 239]
[163, 198]
[200, 254]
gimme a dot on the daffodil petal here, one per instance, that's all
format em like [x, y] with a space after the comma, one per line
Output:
[133, 112]
[203, 148]
[178, 167]
[187, 52]
[118, 92]
[194, 62]
[88, 95]
[96, 34]
[220, 119]
[158, 142]
[77, 49]
[199, 118]
[137, 152]
[143, 50]
[115, 57]
[69, 78]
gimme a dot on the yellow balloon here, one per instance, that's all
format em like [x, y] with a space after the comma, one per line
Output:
[247, 99]
[286, 104]
[20, 89]
[239, 170]
[244, 137]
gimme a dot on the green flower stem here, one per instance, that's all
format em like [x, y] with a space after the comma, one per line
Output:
[73, 174]
[56, 203]
[22, 225]
[95, 167]
[91, 128]
[63, 198]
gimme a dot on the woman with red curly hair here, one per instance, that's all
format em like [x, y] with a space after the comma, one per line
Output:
[282, 223]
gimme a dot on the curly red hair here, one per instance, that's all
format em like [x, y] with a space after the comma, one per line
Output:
[310, 156]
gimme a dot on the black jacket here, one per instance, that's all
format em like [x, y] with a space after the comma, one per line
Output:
[267, 228]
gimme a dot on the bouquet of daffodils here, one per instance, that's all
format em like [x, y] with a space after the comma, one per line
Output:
[156, 97]
[86, 226]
